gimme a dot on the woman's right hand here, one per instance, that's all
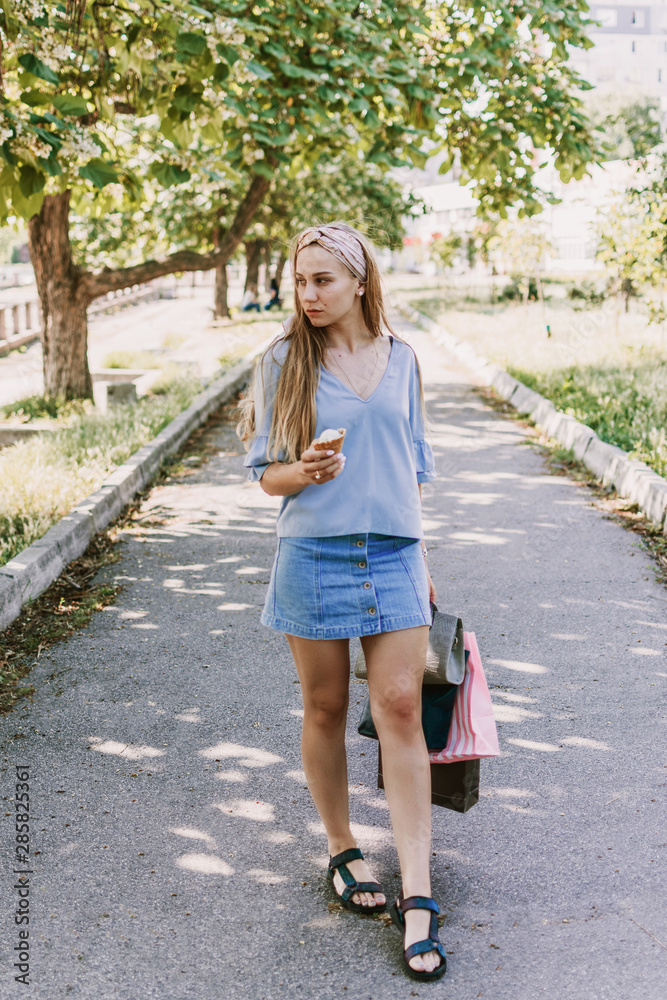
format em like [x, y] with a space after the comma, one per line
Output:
[321, 467]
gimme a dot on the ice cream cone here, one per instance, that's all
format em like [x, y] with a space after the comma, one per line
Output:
[332, 444]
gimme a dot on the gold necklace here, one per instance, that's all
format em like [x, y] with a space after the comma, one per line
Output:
[346, 376]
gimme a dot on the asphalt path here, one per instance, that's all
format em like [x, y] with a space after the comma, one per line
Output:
[177, 853]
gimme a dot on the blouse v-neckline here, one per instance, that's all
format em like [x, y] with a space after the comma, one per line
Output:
[356, 395]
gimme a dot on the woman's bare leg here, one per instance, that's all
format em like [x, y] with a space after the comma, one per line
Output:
[395, 663]
[323, 666]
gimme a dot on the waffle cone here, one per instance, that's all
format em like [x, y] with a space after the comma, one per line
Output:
[336, 445]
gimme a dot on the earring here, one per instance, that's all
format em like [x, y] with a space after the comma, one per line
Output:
[360, 292]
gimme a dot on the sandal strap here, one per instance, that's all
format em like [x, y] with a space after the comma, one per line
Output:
[421, 947]
[418, 903]
[351, 854]
[352, 887]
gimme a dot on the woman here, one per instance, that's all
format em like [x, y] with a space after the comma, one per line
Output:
[250, 300]
[350, 561]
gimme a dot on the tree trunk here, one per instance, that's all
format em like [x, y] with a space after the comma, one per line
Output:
[280, 267]
[221, 308]
[628, 290]
[63, 300]
[66, 291]
[253, 256]
[267, 267]
[220, 305]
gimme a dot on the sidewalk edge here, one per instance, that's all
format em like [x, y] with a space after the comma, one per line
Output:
[30, 572]
[631, 478]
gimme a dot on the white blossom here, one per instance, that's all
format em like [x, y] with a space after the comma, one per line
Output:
[60, 51]
[79, 146]
[29, 8]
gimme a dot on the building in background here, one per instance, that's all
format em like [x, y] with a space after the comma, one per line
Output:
[569, 225]
[629, 59]
[630, 50]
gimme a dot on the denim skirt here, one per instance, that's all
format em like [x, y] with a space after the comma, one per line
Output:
[347, 585]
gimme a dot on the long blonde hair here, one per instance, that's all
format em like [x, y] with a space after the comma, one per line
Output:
[294, 414]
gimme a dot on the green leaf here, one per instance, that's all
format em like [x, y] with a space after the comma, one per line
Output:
[186, 99]
[263, 168]
[191, 43]
[51, 166]
[48, 137]
[274, 50]
[133, 34]
[261, 71]
[298, 72]
[47, 117]
[33, 65]
[31, 181]
[168, 174]
[33, 98]
[99, 172]
[228, 53]
[68, 104]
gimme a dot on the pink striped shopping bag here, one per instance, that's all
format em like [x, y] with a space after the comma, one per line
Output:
[473, 730]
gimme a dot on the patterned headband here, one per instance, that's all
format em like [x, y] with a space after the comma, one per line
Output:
[342, 244]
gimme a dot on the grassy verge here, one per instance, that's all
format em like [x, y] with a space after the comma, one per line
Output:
[625, 405]
[562, 462]
[69, 603]
[606, 369]
[42, 478]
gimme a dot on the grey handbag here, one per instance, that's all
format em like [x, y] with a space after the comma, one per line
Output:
[445, 658]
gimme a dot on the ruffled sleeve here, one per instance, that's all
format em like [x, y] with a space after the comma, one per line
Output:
[425, 462]
[256, 460]
[424, 459]
[268, 373]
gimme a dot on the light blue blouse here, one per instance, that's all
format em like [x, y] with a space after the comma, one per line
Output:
[385, 445]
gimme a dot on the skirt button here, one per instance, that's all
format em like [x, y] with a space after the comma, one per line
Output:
[371, 611]
[359, 544]
[361, 565]
[367, 586]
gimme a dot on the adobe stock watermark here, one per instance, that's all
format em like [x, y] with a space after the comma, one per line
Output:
[22, 873]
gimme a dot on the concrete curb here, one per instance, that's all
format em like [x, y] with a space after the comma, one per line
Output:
[30, 572]
[611, 465]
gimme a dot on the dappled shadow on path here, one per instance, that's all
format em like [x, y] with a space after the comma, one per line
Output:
[172, 775]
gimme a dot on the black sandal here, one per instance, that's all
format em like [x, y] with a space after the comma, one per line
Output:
[351, 884]
[431, 943]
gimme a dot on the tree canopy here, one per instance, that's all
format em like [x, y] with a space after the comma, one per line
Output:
[108, 98]
[103, 105]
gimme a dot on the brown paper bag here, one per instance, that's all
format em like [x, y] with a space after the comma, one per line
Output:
[454, 786]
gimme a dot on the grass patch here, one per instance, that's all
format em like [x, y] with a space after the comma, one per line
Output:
[625, 405]
[39, 408]
[43, 478]
[131, 359]
[562, 462]
[173, 340]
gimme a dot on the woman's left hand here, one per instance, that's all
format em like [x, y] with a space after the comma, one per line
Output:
[432, 594]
